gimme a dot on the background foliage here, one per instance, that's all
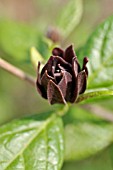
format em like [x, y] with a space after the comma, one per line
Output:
[88, 138]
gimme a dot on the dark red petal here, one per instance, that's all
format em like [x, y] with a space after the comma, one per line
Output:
[75, 66]
[81, 82]
[69, 54]
[41, 90]
[65, 85]
[54, 94]
[85, 61]
[45, 79]
[75, 93]
[62, 62]
[38, 72]
[58, 52]
[48, 66]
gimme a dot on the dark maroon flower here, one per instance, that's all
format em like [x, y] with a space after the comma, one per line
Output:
[61, 80]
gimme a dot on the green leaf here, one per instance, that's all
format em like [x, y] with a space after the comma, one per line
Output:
[101, 161]
[70, 17]
[32, 143]
[16, 39]
[85, 134]
[99, 49]
[94, 94]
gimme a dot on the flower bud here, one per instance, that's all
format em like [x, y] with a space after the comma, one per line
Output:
[53, 34]
[61, 79]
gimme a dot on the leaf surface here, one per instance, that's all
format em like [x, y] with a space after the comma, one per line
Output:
[32, 143]
[99, 49]
[85, 134]
[70, 17]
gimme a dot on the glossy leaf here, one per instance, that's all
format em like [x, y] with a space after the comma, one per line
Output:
[70, 17]
[99, 49]
[17, 39]
[94, 94]
[85, 134]
[32, 143]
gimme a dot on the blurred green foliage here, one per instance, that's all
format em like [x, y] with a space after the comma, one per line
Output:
[102, 160]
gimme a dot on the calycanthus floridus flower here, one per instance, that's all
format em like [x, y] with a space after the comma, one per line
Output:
[61, 80]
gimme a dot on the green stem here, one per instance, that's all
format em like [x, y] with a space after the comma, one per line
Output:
[64, 110]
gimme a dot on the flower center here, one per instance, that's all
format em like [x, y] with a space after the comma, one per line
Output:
[58, 71]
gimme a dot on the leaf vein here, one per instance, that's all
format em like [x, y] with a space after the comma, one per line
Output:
[45, 124]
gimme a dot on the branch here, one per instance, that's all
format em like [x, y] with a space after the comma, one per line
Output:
[17, 72]
[100, 112]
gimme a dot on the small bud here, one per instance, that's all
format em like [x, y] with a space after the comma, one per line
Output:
[53, 34]
[61, 79]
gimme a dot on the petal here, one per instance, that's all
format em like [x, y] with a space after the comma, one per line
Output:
[62, 62]
[38, 72]
[65, 85]
[58, 52]
[48, 66]
[75, 93]
[41, 90]
[80, 86]
[45, 79]
[69, 54]
[81, 82]
[85, 61]
[54, 94]
[75, 66]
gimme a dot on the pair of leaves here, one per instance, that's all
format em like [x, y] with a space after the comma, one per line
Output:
[32, 143]
[41, 137]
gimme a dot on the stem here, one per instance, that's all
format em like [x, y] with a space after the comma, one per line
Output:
[17, 72]
[64, 110]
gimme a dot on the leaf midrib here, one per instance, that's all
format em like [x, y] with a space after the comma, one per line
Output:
[45, 124]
